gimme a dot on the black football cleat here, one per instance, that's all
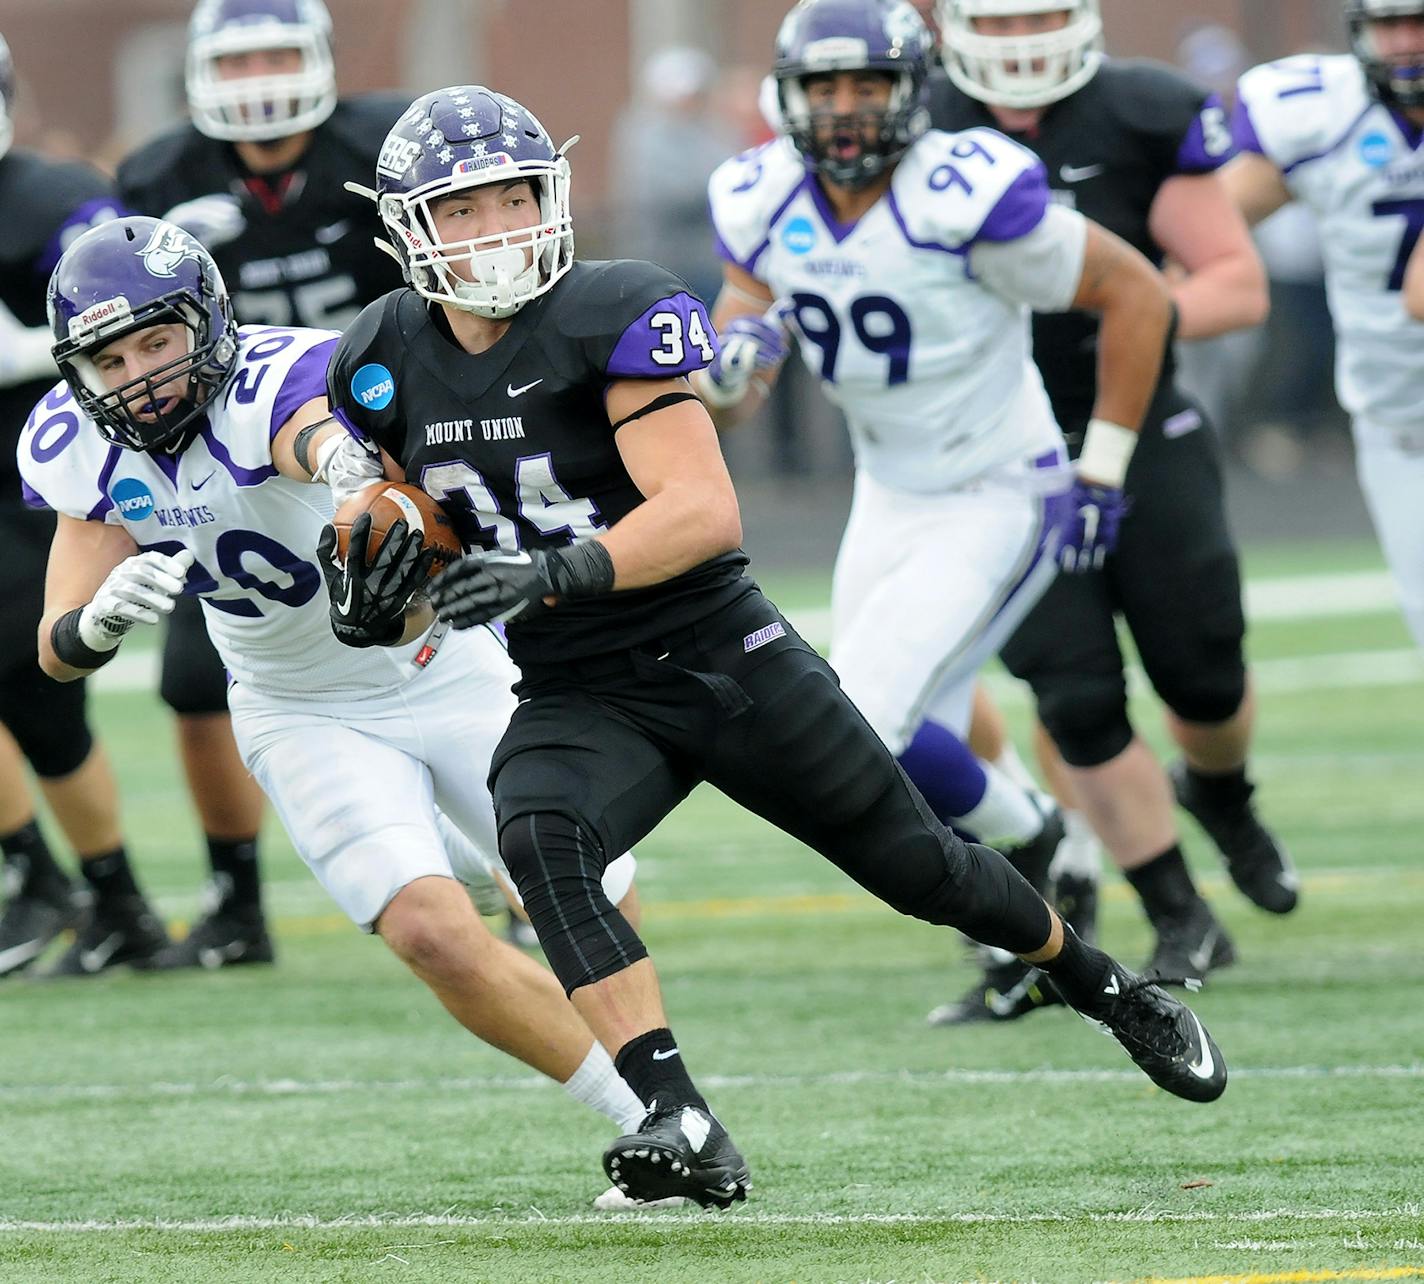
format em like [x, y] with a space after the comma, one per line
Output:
[1190, 945]
[1075, 897]
[1257, 862]
[30, 922]
[1005, 992]
[121, 930]
[681, 1151]
[1161, 1034]
[227, 937]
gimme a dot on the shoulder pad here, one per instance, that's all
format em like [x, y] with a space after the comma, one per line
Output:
[952, 189]
[361, 124]
[45, 204]
[635, 320]
[1182, 124]
[747, 193]
[354, 386]
[1299, 108]
[61, 458]
[144, 175]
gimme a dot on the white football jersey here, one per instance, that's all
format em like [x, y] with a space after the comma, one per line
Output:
[253, 532]
[933, 370]
[1357, 166]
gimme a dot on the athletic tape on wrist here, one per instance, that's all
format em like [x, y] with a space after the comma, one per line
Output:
[72, 649]
[1107, 450]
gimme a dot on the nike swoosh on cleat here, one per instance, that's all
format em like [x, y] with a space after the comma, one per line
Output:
[519, 392]
[1204, 1067]
[18, 955]
[95, 959]
[1004, 1004]
[1200, 958]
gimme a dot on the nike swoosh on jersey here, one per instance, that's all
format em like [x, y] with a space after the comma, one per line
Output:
[206, 480]
[519, 392]
[332, 232]
[1080, 173]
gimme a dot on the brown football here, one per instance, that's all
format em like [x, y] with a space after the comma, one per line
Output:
[387, 502]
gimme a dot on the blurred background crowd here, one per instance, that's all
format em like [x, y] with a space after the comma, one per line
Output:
[671, 89]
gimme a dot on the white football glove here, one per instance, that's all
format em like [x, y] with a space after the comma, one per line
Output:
[748, 345]
[138, 590]
[24, 351]
[347, 466]
[214, 220]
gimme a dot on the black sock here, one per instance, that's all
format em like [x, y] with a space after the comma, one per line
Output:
[235, 871]
[1079, 970]
[109, 875]
[29, 858]
[1227, 790]
[1164, 885]
[653, 1068]
[1032, 861]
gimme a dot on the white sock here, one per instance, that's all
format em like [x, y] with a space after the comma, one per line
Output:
[1006, 814]
[596, 1083]
[1013, 767]
[1080, 853]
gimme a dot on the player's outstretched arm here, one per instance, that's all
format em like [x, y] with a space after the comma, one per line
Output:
[314, 446]
[97, 587]
[752, 338]
[1194, 219]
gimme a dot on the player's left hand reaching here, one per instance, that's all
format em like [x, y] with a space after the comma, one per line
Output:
[482, 587]
[368, 600]
[1098, 502]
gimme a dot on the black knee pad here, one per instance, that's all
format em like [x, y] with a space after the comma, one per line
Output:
[1209, 693]
[557, 865]
[48, 720]
[1085, 715]
[194, 679]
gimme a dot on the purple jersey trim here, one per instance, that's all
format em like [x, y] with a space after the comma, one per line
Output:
[1020, 209]
[242, 476]
[1243, 130]
[894, 206]
[748, 264]
[32, 497]
[1409, 131]
[633, 357]
[79, 220]
[1193, 156]
[339, 414]
[838, 230]
[111, 462]
[1344, 138]
[304, 381]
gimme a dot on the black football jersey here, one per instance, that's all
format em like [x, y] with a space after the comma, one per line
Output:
[304, 255]
[1108, 148]
[516, 443]
[44, 205]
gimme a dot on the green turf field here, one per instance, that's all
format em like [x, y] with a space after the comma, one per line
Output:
[324, 1121]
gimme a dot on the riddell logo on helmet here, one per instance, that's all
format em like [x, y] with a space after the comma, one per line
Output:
[97, 314]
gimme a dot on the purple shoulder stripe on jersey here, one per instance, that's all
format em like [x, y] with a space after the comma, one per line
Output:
[242, 476]
[749, 263]
[105, 503]
[1345, 136]
[304, 381]
[92, 212]
[1243, 129]
[1195, 156]
[355, 429]
[647, 350]
[32, 497]
[1020, 209]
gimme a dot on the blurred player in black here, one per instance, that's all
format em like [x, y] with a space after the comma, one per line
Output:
[43, 205]
[545, 403]
[1135, 146]
[257, 176]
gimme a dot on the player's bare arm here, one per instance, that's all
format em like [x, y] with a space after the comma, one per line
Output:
[1255, 186]
[738, 381]
[690, 512]
[1194, 219]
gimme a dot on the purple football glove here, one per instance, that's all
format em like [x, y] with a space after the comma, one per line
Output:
[749, 344]
[1092, 529]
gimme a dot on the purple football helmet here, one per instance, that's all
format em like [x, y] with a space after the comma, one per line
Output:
[7, 97]
[1399, 82]
[261, 107]
[822, 37]
[451, 141]
[126, 275]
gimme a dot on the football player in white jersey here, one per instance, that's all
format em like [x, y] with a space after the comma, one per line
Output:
[1341, 134]
[906, 260]
[179, 453]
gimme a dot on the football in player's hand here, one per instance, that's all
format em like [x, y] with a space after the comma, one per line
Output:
[388, 502]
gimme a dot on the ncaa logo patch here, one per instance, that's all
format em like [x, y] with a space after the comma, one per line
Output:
[1376, 150]
[133, 499]
[373, 386]
[798, 236]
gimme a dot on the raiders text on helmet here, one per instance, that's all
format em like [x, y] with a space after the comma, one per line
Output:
[1024, 71]
[129, 274]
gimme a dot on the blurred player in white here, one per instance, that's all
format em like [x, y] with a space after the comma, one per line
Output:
[1340, 134]
[179, 453]
[907, 259]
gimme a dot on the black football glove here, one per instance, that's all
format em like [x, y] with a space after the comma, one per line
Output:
[368, 602]
[503, 586]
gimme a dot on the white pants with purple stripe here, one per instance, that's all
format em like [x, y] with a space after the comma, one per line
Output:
[929, 587]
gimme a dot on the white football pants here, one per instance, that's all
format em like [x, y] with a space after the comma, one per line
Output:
[1390, 463]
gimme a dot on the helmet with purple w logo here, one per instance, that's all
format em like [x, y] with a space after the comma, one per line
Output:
[7, 97]
[132, 274]
[449, 143]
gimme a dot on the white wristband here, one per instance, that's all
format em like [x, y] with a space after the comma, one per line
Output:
[1107, 450]
[715, 394]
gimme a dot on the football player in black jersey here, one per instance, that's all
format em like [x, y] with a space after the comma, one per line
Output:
[1135, 146]
[257, 176]
[545, 403]
[43, 206]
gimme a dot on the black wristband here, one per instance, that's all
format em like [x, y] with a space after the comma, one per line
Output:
[301, 441]
[71, 648]
[584, 569]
